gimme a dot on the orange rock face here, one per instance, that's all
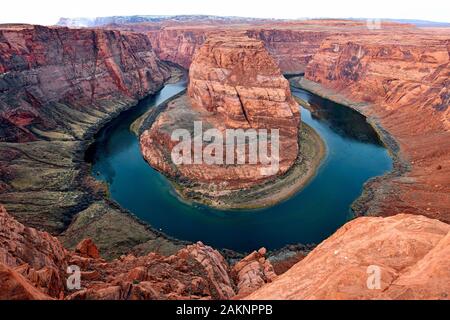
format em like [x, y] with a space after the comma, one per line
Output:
[409, 253]
[35, 255]
[15, 287]
[401, 81]
[238, 79]
[253, 272]
[233, 84]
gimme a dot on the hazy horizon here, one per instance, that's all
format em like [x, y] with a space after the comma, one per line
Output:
[48, 12]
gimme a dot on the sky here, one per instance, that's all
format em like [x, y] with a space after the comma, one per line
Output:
[48, 12]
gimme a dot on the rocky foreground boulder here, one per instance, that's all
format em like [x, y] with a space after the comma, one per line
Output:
[411, 253]
[34, 265]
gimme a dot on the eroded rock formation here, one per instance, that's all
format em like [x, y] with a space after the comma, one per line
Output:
[57, 87]
[253, 272]
[410, 252]
[233, 84]
[33, 265]
[42, 67]
[33, 254]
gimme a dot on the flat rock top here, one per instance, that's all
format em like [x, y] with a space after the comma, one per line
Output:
[240, 58]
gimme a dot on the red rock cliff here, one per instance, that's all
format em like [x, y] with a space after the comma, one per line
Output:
[401, 81]
[42, 66]
[57, 87]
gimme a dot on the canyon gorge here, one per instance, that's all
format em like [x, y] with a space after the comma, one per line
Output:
[385, 77]
[59, 86]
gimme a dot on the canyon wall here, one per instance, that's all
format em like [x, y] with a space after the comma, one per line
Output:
[177, 46]
[57, 87]
[292, 49]
[292, 44]
[409, 252]
[401, 82]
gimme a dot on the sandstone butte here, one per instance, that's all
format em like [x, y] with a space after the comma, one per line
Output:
[411, 251]
[233, 84]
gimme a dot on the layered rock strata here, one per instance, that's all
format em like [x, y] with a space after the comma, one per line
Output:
[291, 44]
[79, 69]
[233, 84]
[57, 87]
[401, 82]
[253, 272]
[33, 265]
